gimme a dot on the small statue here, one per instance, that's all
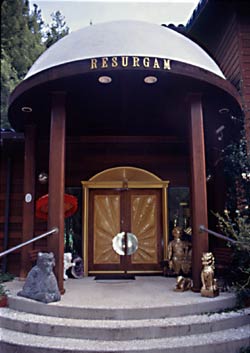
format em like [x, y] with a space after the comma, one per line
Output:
[183, 284]
[77, 270]
[209, 283]
[41, 283]
[179, 253]
[67, 264]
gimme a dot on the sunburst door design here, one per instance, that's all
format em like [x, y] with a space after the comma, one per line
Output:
[106, 226]
[144, 226]
[128, 211]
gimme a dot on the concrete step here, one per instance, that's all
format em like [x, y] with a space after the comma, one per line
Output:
[226, 341]
[194, 305]
[142, 316]
[122, 330]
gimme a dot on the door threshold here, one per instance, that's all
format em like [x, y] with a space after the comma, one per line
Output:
[114, 276]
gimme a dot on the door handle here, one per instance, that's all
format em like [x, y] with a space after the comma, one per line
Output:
[125, 243]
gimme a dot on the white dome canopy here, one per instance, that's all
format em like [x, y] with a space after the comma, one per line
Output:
[119, 38]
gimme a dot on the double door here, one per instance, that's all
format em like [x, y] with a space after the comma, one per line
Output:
[136, 211]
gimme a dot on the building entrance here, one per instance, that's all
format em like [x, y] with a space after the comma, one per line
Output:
[135, 216]
[124, 222]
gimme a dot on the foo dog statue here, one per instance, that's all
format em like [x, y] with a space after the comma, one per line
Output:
[183, 284]
[67, 264]
[41, 283]
[179, 253]
[209, 283]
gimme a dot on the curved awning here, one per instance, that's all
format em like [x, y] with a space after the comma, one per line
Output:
[125, 38]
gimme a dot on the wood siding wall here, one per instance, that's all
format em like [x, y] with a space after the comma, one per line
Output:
[16, 200]
[244, 43]
[232, 52]
[227, 53]
[84, 158]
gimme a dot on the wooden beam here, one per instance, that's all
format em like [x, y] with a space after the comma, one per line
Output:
[57, 182]
[29, 197]
[198, 187]
[126, 139]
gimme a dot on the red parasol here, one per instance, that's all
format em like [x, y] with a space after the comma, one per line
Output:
[42, 206]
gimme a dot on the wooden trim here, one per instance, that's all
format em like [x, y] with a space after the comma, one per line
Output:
[82, 67]
[144, 272]
[99, 139]
[57, 183]
[123, 184]
[85, 228]
[120, 185]
[165, 221]
[28, 188]
[198, 187]
[93, 272]
[114, 272]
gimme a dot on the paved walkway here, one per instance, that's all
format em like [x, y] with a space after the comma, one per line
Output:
[143, 292]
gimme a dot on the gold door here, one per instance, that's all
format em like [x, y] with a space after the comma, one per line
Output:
[135, 211]
[144, 225]
[104, 225]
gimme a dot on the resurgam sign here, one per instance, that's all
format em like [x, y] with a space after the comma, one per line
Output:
[129, 61]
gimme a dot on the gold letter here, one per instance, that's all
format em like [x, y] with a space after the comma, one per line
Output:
[136, 61]
[146, 62]
[104, 63]
[124, 61]
[93, 64]
[114, 61]
[156, 64]
[166, 64]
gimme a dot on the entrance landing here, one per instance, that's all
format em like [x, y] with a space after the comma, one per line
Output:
[113, 296]
[123, 316]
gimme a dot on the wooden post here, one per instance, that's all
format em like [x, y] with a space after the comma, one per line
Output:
[29, 197]
[57, 182]
[198, 187]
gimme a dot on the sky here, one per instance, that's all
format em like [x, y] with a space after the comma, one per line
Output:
[80, 13]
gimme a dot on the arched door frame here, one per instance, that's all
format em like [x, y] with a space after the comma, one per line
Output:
[123, 178]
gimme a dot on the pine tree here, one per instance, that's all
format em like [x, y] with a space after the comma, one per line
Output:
[57, 30]
[22, 42]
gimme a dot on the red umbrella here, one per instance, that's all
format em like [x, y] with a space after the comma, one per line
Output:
[42, 206]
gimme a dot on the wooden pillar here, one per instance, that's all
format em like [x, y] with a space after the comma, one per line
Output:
[57, 182]
[29, 197]
[198, 187]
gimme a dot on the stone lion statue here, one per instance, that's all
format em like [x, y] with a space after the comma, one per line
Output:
[41, 283]
[209, 283]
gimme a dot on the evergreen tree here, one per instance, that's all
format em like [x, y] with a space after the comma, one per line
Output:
[9, 80]
[22, 42]
[21, 34]
[57, 30]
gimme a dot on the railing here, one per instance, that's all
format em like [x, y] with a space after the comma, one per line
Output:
[6, 252]
[218, 235]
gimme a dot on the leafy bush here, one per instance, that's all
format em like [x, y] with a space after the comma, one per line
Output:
[238, 229]
[3, 291]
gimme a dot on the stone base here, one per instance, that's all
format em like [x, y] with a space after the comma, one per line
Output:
[209, 293]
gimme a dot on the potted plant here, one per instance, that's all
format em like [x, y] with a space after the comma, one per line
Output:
[3, 296]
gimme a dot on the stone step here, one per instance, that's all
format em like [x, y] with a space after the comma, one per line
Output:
[193, 306]
[122, 330]
[228, 341]
[141, 316]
